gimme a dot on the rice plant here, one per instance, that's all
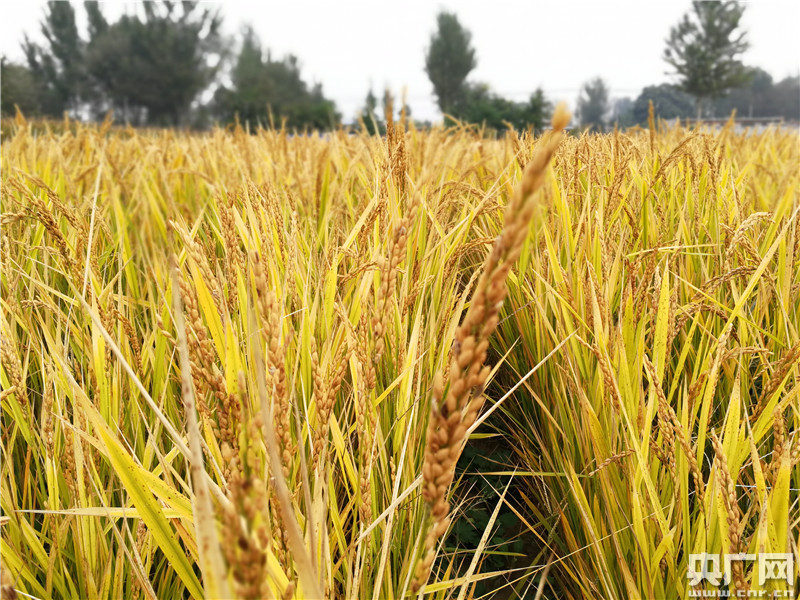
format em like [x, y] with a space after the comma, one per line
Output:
[246, 364]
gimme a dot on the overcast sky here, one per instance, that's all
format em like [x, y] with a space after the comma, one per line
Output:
[348, 44]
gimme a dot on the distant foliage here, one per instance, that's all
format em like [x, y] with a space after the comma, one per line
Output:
[262, 89]
[149, 68]
[58, 69]
[668, 103]
[704, 49]
[593, 105]
[483, 107]
[621, 115]
[18, 89]
[152, 69]
[450, 58]
[762, 98]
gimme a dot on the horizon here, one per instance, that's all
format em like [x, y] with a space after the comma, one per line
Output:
[395, 59]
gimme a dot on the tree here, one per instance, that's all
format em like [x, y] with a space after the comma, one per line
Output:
[153, 68]
[703, 49]
[622, 112]
[763, 98]
[748, 100]
[535, 113]
[593, 104]
[97, 21]
[18, 89]
[58, 68]
[148, 69]
[481, 106]
[668, 103]
[250, 90]
[783, 99]
[261, 88]
[448, 60]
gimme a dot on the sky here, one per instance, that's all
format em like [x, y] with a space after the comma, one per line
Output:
[350, 45]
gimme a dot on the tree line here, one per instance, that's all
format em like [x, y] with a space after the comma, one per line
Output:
[704, 48]
[169, 65]
[164, 66]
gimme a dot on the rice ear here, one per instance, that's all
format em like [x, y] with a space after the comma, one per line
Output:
[212, 565]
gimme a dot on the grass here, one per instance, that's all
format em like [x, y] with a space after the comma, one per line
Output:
[227, 359]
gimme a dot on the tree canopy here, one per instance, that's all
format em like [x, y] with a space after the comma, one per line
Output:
[18, 89]
[759, 98]
[669, 102]
[262, 87]
[151, 69]
[762, 97]
[704, 49]
[449, 60]
[166, 63]
[58, 69]
[480, 105]
[593, 104]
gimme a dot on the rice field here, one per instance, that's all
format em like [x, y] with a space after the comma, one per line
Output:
[245, 364]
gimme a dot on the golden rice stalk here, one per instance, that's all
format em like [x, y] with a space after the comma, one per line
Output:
[782, 368]
[677, 431]
[212, 566]
[327, 397]
[7, 591]
[386, 291]
[453, 410]
[276, 361]
[779, 444]
[12, 365]
[665, 424]
[729, 496]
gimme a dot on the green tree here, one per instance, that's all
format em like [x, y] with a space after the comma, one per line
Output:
[593, 104]
[668, 103]
[748, 100]
[316, 111]
[703, 48]
[261, 88]
[763, 98]
[481, 106]
[622, 112]
[448, 60]
[97, 20]
[535, 112]
[250, 89]
[152, 69]
[58, 68]
[18, 89]
[783, 99]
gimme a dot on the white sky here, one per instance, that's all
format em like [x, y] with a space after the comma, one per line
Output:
[558, 45]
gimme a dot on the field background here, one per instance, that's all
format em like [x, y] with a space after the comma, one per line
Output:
[642, 404]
